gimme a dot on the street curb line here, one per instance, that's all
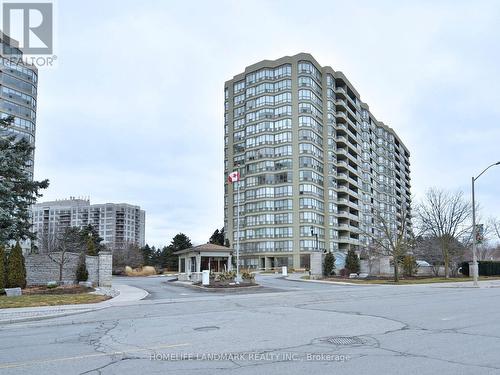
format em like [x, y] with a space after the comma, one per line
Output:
[329, 282]
[95, 307]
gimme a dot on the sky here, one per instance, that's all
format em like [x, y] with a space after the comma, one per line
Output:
[133, 110]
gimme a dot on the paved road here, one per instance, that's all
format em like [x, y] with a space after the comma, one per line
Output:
[289, 327]
[161, 287]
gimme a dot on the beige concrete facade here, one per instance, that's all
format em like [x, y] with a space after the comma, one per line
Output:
[314, 162]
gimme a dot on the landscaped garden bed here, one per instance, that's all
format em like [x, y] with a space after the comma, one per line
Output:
[227, 280]
[52, 296]
[228, 286]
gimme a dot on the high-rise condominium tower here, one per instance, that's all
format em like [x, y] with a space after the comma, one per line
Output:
[316, 166]
[17, 92]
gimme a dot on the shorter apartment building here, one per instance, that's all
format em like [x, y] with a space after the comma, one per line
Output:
[118, 224]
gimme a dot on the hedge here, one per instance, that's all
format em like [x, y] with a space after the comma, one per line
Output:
[486, 268]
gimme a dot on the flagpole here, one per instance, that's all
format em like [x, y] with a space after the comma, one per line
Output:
[238, 230]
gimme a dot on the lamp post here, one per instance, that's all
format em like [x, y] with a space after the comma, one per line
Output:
[315, 234]
[475, 268]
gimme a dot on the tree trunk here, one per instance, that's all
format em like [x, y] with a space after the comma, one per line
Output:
[61, 265]
[446, 263]
[396, 272]
[60, 272]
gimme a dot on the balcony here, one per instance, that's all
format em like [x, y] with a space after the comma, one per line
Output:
[342, 151]
[340, 102]
[341, 91]
[341, 115]
[342, 163]
[342, 176]
[341, 126]
[341, 139]
[343, 214]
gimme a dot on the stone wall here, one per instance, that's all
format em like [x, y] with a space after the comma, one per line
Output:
[40, 269]
[382, 267]
[316, 265]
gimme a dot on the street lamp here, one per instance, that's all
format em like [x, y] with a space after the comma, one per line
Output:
[475, 268]
[315, 234]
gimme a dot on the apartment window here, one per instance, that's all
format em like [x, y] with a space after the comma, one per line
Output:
[238, 87]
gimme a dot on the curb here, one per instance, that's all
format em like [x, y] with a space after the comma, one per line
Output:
[202, 288]
[48, 316]
[71, 309]
[328, 282]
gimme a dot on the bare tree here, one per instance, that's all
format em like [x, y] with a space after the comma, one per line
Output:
[371, 254]
[57, 246]
[487, 251]
[128, 255]
[391, 238]
[427, 248]
[494, 227]
[445, 216]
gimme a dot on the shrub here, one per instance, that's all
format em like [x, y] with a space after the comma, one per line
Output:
[225, 276]
[486, 268]
[3, 274]
[16, 270]
[489, 268]
[328, 264]
[352, 262]
[247, 275]
[410, 266]
[141, 271]
[91, 248]
[81, 271]
[344, 272]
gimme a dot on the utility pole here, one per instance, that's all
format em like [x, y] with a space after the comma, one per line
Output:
[475, 267]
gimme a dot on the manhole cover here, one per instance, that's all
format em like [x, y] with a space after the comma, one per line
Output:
[345, 340]
[207, 328]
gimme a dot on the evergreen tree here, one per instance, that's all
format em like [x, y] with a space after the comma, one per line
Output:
[147, 254]
[217, 237]
[3, 274]
[352, 262]
[92, 232]
[81, 271]
[17, 190]
[180, 242]
[16, 271]
[409, 265]
[329, 264]
[167, 259]
[91, 249]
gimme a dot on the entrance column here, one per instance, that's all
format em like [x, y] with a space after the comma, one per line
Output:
[198, 262]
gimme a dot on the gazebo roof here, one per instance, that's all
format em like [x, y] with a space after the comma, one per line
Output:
[206, 248]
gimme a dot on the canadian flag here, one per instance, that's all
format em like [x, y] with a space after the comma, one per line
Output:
[233, 176]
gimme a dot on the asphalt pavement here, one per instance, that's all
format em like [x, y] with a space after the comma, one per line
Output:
[291, 327]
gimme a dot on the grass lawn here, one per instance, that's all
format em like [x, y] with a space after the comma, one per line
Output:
[49, 300]
[427, 280]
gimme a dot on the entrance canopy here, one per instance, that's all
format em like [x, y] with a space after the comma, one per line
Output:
[208, 256]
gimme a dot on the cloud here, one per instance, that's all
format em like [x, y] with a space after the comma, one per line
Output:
[134, 110]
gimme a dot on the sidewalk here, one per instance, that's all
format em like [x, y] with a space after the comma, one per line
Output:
[126, 294]
[458, 284]
[298, 277]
